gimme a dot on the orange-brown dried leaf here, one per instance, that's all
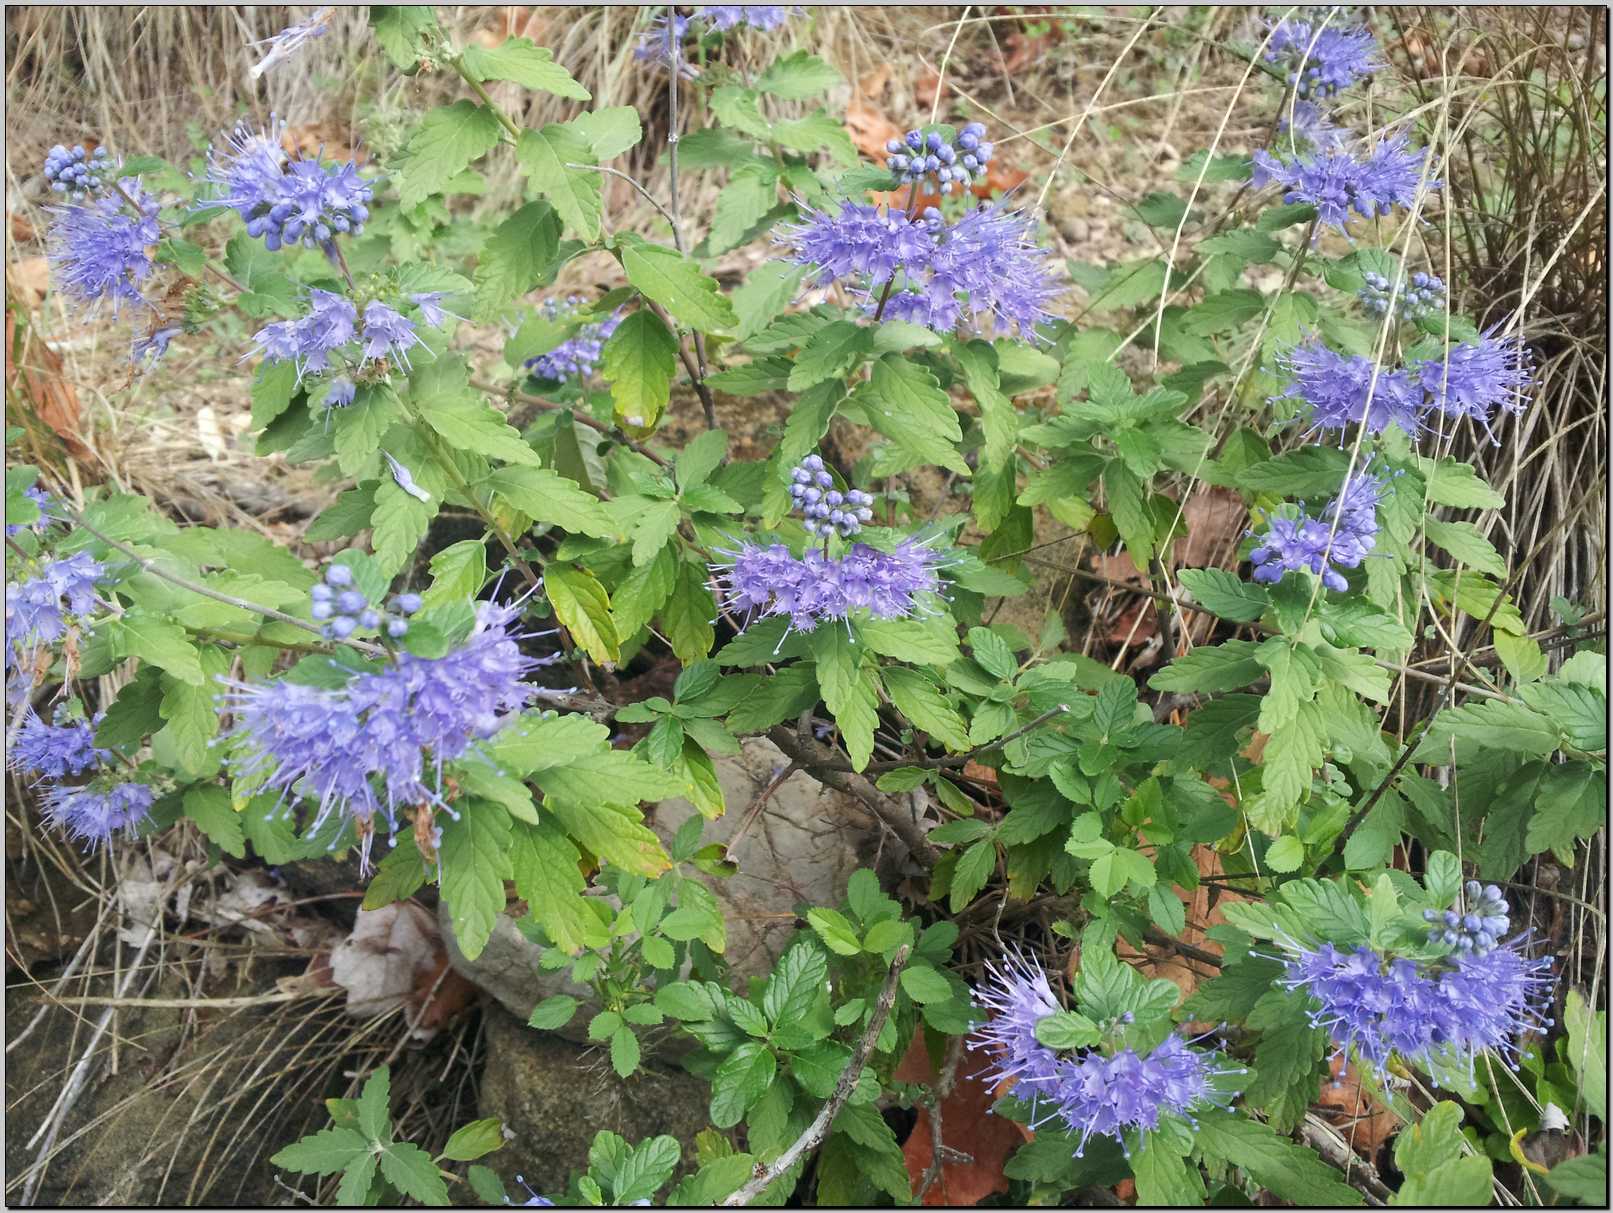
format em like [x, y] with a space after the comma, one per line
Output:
[870, 128]
[35, 381]
[1358, 1116]
[967, 1127]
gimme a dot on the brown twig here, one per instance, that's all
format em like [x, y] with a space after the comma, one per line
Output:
[819, 1128]
[942, 1089]
[819, 761]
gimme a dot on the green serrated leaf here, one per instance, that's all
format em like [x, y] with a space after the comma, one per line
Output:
[638, 361]
[546, 156]
[531, 66]
[517, 256]
[444, 145]
[677, 284]
[475, 855]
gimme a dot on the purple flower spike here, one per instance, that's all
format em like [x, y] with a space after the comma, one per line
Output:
[860, 242]
[284, 201]
[54, 751]
[331, 323]
[1475, 378]
[39, 609]
[576, 357]
[1336, 183]
[93, 814]
[1322, 60]
[1499, 994]
[1381, 1007]
[378, 744]
[1342, 390]
[1342, 537]
[762, 17]
[99, 250]
[1106, 1096]
[1018, 996]
[1092, 1092]
[991, 256]
[387, 333]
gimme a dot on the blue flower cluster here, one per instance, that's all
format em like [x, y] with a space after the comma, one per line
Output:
[919, 155]
[1325, 175]
[39, 608]
[764, 17]
[927, 271]
[1092, 1092]
[91, 811]
[1341, 537]
[95, 811]
[810, 589]
[330, 325]
[576, 357]
[817, 587]
[656, 46]
[379, 743]
[344, 609]
[1479, 929]
[1421, 294]
[1472, 379]
[1450, 1009]
[101, 248]
[1336, 183]
[1321, 61]
[827, 510]
[54, 751]
[76, 172]
[286, 201]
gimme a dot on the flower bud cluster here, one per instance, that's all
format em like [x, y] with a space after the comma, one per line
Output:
[827, 510]
[344, 609]
[1421, 294]
[76, 172]
[919, 155]
[1479, 929]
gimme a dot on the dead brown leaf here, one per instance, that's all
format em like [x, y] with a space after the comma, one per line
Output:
[21, 229]
[1215, 521]
[967, 1128]
[870, 129]
[28, 278]
[1364, 1122]
[36, 379]
[395, 957]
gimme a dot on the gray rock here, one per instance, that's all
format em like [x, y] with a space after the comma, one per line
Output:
[553, 1096]
[802, 846]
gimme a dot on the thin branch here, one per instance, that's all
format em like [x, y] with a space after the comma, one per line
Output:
[581, 418]
[938, 1096]
[634, 182]
[195, 587]
[819, 1128]
[818, 761]
[968, 756]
